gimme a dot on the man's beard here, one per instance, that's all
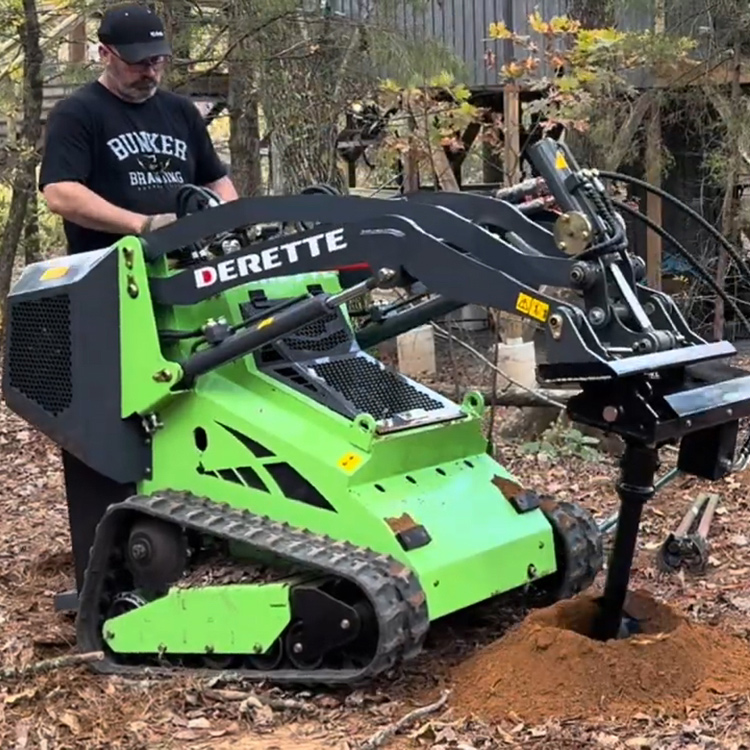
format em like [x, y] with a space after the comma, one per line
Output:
[140, 91]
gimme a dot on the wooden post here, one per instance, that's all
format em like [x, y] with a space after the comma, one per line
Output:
[653, 202]
[411, 160]
[653, 173]
[77, 42]
[513, 327]
[512, 135]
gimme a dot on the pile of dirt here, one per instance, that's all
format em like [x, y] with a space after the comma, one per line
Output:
[550, 667]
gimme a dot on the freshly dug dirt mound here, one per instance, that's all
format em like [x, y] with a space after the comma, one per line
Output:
[549, 666]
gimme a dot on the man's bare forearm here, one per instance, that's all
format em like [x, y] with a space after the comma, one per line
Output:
[78, 204]
[224, 188]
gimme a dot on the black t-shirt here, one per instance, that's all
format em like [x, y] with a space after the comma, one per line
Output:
[136, 156]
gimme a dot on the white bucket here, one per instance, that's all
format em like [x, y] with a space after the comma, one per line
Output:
[416, 352]
[517, 359]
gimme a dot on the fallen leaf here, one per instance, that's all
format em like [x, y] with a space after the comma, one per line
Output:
[226, 695]
[251, 701]
[741, 602]
[607, 740]
[71, 722]
[187, 734]
[262, 716]
[447, 734]
[11, 700]
[199, 723]
[638, 742]
[22, 734]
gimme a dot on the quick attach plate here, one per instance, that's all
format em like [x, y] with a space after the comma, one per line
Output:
[658, 409]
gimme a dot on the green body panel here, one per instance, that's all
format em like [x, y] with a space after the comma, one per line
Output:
[230, 619]
[149, 375]
[439, 475]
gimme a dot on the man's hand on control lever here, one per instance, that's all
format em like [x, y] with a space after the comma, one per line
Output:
[158, 221]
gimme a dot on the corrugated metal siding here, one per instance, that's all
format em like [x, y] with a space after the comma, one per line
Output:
[634, 16]
[463, 25]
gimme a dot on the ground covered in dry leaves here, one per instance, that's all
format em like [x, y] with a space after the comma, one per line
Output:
[689, 692]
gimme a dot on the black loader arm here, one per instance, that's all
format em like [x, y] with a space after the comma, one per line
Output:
[627, 346]
[571, 347]
[383, 241]
[331, 212]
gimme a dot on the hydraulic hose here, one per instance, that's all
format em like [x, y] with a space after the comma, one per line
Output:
[731, 251]
[682, 251]
[188, 197]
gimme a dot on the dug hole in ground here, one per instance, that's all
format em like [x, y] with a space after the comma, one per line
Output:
[548, 666]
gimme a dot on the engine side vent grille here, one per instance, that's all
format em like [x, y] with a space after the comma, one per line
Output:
[39, 352]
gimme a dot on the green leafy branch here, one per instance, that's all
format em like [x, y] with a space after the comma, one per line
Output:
[562, 441]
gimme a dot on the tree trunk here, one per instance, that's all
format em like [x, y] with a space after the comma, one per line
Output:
[307, 156]
[24, 179]
[729, 209]
[242, 102]
[244, 137]
[32, 240]
[305, 88]
[179, 26]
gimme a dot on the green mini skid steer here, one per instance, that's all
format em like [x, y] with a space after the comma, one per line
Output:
[249, 489]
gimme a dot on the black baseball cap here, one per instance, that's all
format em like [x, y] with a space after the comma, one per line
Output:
[134, 32]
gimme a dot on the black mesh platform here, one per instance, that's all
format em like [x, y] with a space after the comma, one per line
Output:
[373, 389]
[323, 361]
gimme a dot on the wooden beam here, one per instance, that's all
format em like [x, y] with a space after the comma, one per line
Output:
[653, 174]
[512, 134]
[513, 327]
[700, 73]
[77, 42]
[653, 202]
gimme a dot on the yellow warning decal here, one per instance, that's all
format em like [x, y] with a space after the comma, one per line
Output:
[349, 461]
[56, 272]
[560, 161]
[534, 308]
[264, 323]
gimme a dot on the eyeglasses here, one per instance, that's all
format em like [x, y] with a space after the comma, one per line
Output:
[157, 61]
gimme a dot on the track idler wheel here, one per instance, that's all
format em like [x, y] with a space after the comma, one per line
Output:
[270, 660]
[579, 549]
[124, 602]
[323, 624]
[156, 553]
